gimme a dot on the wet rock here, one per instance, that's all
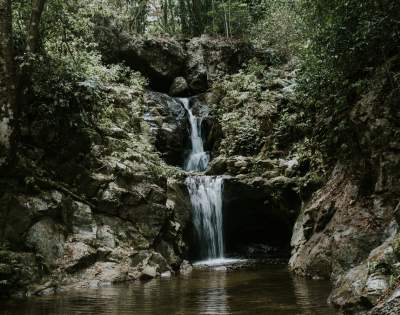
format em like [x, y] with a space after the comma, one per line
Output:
[179, 87]
[81, 220]
[209, 58]
[168, 125]
[334, 231]
[390, 306]
[141, 259]
[148, 272]
[179, 202]
[160, 262]
[17, 272]
[78, 256]
[376, 285]
[159, 59]
[105, 236]
[113, 230]
[47, 239]
[362, 287]
[185, 268]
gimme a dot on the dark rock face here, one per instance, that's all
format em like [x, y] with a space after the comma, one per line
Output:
[209, 58]
[179, 87]
[112, 227]
[162, 60]
[169, 126]
[391, 306]
[336, 230]
[259, 215]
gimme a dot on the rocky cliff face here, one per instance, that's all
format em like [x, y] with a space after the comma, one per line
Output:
[107, 220]
[348, 231]
[196, 62]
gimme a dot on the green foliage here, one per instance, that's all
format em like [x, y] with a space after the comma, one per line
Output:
[69, 88]
[351, 35]
[278, 26]
[244, 110]
[229, 18]
[345, 42]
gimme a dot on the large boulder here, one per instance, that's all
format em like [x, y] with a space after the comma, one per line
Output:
[20, 211]
[337, 230]
[363, 286]
[179, 87]
[47, 239]
[159, 59]
[210, 57]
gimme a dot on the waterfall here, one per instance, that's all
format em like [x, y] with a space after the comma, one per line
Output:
[205, 193]
[206, 198]
[198, 159]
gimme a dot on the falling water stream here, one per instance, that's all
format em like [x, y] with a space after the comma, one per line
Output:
[205, 194]
[206, 197]
[198, 159]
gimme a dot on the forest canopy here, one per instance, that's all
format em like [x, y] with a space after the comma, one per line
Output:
[51, 45]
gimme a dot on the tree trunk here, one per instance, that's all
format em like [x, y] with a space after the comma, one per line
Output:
[33, 40]
[32, 47]
[8, 102]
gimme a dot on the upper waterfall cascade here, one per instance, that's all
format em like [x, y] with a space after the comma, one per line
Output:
[198, 159]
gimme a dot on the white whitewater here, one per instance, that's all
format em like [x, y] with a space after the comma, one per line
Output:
[206, 197]
[198, 159]
[205, 194]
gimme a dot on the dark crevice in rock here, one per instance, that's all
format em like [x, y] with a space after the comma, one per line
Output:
[258, 221]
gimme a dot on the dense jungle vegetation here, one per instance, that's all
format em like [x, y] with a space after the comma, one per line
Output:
[50, 56]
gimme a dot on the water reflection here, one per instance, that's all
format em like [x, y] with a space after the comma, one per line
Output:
[308, 295]
[214, 299]
[266, 290]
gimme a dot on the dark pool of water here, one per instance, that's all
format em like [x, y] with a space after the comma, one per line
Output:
[267, 290]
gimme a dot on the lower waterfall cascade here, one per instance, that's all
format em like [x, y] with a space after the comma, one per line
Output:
[206, 198]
